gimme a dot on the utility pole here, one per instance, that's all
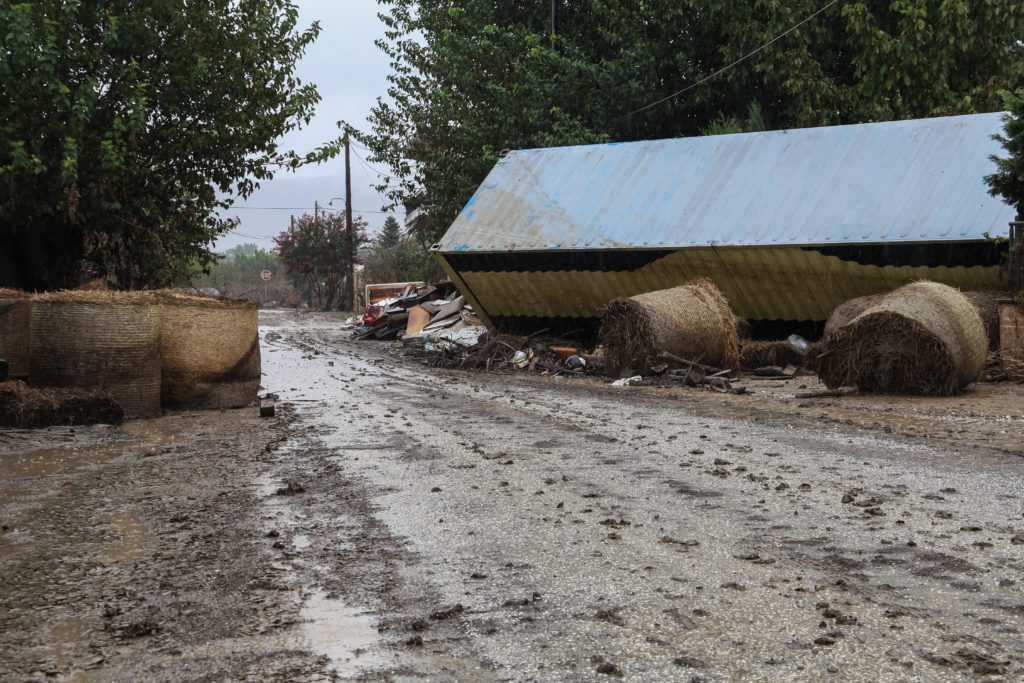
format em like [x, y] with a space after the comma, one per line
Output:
[350, 280]
[316, 213]
[553, 24]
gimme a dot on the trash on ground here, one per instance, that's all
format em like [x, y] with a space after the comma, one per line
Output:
[626, 381]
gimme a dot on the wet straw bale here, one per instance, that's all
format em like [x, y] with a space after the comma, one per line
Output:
[692, 321]
[15, 322]
[105, 341]
[987, 304]
[923, 338]
[210, 351]
[26, 407]
[849, 310]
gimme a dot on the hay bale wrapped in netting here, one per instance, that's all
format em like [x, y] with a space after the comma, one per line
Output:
[923, 338]
[105, 341]
[30, 408]
[987, 304]
[692, 321]
[15, 320]
[210, 351]
[846, 312]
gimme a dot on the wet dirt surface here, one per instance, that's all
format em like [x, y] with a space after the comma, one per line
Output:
[402, 523]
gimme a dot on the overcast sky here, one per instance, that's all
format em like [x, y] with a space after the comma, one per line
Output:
[350, 72]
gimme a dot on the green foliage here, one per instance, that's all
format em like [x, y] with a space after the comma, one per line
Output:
[315, 253]
[390, 234]
[473, 77]
[1008, 180]
[237, 274]
[399, 258]
[126, 124]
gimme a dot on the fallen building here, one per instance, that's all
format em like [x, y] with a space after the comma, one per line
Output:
[788, 224]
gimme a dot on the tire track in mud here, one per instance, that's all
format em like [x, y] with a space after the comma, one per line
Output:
[583, 529]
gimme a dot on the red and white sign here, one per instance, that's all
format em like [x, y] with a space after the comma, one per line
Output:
[266, 275]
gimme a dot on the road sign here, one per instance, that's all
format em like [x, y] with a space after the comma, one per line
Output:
[266, 275]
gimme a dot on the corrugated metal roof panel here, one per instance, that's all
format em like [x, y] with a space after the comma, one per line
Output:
[920, 180]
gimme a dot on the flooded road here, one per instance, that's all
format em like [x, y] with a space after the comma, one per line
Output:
[403, 523]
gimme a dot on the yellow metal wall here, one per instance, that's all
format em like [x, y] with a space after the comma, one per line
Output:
[761, 283]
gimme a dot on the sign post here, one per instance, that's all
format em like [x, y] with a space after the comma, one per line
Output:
[266, 275]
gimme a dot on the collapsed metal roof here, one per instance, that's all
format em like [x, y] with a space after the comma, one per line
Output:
[900, 181]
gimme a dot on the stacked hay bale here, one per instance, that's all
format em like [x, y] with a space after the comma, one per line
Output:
[692, 321]
[15, 320]
[923, 338]
[105, 341]
[210, 351]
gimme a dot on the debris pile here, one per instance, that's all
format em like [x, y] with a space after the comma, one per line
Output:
[923, 338]
[25, 407]
[690, 321]
[792, 352]
[431, 317]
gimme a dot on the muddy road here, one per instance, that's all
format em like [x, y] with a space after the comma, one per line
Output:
[396, 522]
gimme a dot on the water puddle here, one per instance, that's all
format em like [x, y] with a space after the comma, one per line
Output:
[346, 635]
[131, 537]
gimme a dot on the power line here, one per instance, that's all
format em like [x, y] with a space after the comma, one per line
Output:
[729, 66]
[370, 168]
[251, 237]
[295, 208]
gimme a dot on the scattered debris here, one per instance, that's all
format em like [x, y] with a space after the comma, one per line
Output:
[267, 407]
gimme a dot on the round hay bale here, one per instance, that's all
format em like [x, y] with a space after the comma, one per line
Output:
[846, 312]
[987, 304]
[923, 338]
[692, 321]
[210, 351]
[106, 341]
[15, 326]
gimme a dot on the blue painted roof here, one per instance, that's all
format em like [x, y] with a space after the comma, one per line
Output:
[900, 181]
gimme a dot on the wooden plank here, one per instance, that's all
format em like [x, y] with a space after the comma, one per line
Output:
[1011, 330]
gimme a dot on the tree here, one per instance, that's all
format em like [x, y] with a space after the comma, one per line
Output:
[125, 126]
[390, 234]
[1008, 180]
[237, 273]
[473, 77]
[315, 253]
[396, 257]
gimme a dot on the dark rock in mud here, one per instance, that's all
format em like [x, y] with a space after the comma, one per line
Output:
[443, 614]
[290, 488]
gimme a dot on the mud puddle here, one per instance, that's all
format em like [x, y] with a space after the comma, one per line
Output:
[347, 636]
